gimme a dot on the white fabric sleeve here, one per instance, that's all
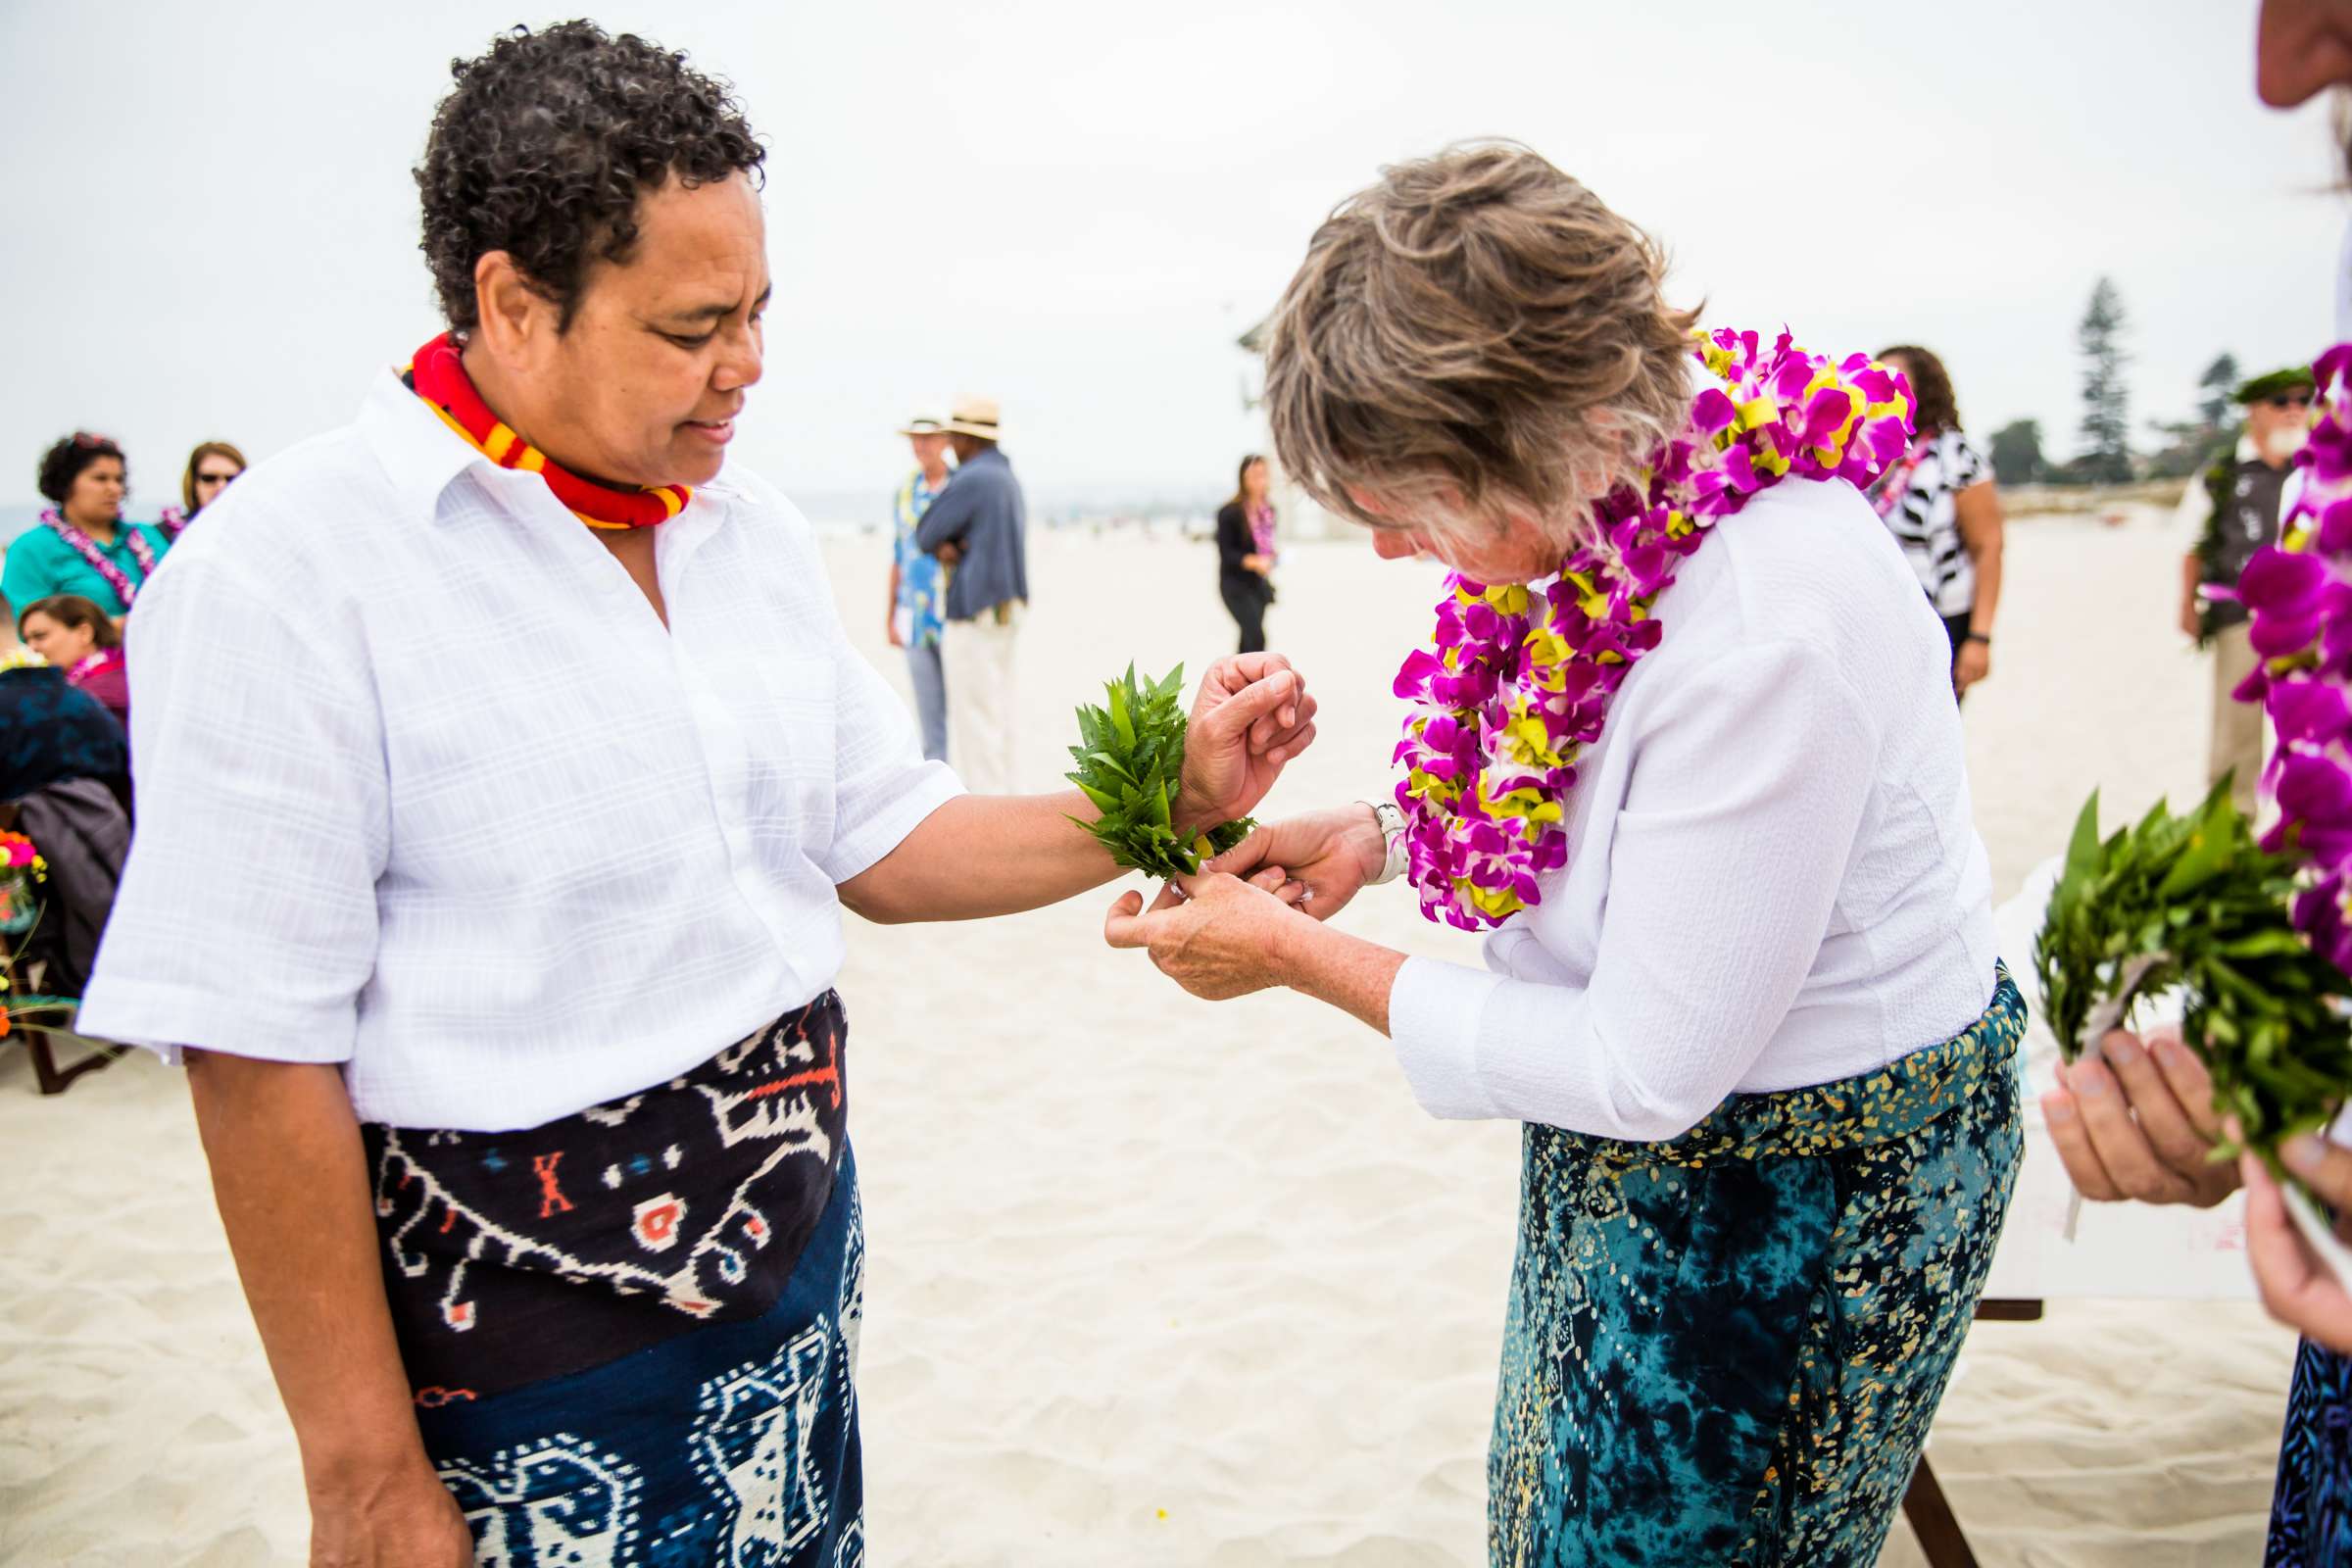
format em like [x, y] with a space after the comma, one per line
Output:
[2192, 514]
[1748, 789]
[882, 786]
[246, 920]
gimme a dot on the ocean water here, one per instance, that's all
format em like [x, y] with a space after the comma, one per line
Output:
[863, 511]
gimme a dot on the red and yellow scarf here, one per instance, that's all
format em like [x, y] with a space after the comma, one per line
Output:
[438, 376]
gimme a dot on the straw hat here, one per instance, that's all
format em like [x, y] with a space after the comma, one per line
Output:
[974, 417]
[922, 425]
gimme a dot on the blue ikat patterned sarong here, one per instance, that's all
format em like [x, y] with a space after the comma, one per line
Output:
[632, 1333]
[1725, 1349]
[734, 1445]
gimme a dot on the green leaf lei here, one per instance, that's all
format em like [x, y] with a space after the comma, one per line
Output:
[2218, 478]
[1130, 757]
[2194, 901]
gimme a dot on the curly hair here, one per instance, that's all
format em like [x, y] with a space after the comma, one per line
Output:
[65, 460]
[1931, 389]
[545, 145]
[1477, 322]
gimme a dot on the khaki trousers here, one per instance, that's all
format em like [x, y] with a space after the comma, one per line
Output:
[983, 700]
[2238, 728]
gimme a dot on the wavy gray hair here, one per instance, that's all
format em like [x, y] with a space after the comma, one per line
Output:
[1476, 330]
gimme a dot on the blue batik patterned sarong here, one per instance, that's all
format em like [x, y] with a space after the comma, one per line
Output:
[1725, 1348]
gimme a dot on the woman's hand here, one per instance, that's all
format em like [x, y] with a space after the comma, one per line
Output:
[390, 1520]
[1252, 717]
[2139, 1124]
[2298, 1288]
[1971, 665]
[1215, 935]
[1263, 565]
[1330, 853]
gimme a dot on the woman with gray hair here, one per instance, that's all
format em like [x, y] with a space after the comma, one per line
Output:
[1741, 988]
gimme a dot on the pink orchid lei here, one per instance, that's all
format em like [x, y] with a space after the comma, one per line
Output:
[1522, 676]
[2299, 597]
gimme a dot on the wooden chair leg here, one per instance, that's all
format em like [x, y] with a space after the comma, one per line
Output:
[47, 1076]
[1940, 1538]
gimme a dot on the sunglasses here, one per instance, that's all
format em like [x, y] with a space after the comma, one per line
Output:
[85, 440]
[2291, 400]
[215, 479]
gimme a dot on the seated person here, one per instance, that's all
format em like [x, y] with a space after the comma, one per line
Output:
[50, 732]
[74, 634]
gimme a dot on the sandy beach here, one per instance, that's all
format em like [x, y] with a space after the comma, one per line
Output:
[1156, 1282]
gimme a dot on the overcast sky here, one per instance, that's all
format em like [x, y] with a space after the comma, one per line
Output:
[1077, 206]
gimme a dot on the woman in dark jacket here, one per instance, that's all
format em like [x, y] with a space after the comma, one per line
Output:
[1245, 553]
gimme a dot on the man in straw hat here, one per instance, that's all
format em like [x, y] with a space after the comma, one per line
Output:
[918, 587]
[2230, 511]
[983, 515]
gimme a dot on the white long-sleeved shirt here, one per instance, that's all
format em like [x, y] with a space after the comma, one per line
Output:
[1774, 879]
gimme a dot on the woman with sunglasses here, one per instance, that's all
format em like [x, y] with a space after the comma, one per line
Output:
[2231, 511]
[211, 467]
[81, 545]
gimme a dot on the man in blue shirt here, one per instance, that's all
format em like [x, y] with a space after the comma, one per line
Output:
[916, 584]
[983, 515]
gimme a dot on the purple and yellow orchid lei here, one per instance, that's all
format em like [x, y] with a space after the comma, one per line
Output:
[2298, 594]
[1521, 678]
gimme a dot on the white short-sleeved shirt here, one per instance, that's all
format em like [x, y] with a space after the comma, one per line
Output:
[1774, 879]
[426, 789]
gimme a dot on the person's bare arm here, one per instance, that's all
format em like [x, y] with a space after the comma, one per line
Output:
[1978, 509]
[890, 612]
[290, 1177]
[2192, 577]
[983, 855]
[980, 856]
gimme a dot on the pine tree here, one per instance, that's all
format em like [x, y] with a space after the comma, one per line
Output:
[2016, 453]
[2220, 379]
[2106, 431]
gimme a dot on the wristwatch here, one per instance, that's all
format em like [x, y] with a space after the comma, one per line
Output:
[1977, 637]
[1391, 822]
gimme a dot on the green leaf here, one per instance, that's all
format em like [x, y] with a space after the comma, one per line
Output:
[1130, 765]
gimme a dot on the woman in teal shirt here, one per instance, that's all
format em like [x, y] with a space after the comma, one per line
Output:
[81, 545]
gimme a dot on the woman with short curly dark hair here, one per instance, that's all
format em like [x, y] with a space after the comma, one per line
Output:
[549, 770]
[81, 543]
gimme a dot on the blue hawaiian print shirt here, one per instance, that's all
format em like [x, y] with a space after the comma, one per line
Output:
[920, 591]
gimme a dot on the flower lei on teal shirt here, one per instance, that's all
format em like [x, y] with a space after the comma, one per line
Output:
[1521, 677]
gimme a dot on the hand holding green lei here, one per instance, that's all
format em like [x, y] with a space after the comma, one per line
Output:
[2194, 901]
[1130, 757]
